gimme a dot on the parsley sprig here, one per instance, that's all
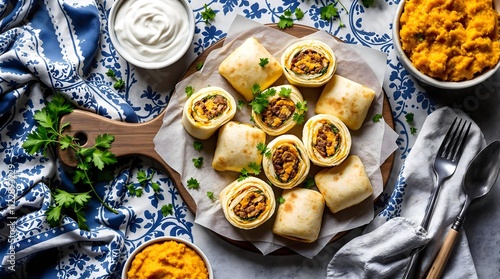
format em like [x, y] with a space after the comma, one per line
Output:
[208, 14]
[286, 19]
[330, 12]
[119, 83]
[48, 136]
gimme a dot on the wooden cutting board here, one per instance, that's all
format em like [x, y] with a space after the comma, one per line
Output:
[136, 139]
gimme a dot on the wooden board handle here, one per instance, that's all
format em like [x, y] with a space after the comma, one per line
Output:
[443, 255]
[131, 139]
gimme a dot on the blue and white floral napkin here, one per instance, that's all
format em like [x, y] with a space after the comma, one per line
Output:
[384, 248]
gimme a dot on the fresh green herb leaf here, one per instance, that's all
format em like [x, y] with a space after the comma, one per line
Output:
[300, 113]
[197, 145]
[260, 100]
[309, 183]
[189, 90]
[409, 117]
[368, 3]
[210, 195]
[281, 199]
[299, 14]
[413, 130]
[207, 14]
[142, 177]
[198, 162]
[255, 168]
[193, 183]
[255, 89]
[328, 12]
[134, 191]
[54, 216]
[156, 187]
[199, 66]
[263, 62]
[263, 149]
[244, 174]
[241, 104]
[119, 83]
[286, 20]
[167, 209]
[377, 117]
[285, 92]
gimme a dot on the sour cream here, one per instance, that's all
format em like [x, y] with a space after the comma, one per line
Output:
[152, 30]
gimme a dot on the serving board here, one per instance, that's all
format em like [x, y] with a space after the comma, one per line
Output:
[136, 139]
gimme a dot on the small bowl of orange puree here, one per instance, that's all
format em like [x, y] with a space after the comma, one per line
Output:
[167, 257]
[448, 44]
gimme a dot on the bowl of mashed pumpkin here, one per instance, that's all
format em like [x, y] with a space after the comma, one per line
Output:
[167, 257]
[448, 44]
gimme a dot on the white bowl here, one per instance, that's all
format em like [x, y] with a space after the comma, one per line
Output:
[158, 16]
[405, 60]
[163, 239]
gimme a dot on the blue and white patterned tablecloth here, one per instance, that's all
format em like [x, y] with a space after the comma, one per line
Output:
[63, 46]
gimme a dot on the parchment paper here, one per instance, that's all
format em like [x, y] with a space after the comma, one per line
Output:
[373, 143]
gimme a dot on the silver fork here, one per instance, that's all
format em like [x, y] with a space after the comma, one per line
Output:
[445, 164]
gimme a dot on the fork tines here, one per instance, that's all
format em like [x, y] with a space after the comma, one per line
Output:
[453, 149]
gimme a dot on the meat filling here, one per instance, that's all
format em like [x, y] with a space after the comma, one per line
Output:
[278, 111]
[286, 162]
[251, 206]
[309, 62]
[210, 107]
[327, 140]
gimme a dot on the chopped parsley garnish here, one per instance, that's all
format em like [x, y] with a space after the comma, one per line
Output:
[210, 195]
[263, 149]
[207, 14]
[300, 114]
[167, 209]
[281, 199]
[193, 183]
[377, 117]
[189, 90]
[198, 162]
[197, 145]
[263, 62]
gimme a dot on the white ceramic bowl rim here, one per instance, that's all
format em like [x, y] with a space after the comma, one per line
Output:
[143, 64]
[161, 239]
[425, 78]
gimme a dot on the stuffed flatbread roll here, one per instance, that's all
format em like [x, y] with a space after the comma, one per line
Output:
[308, 63]
[326, 139]
[287, 164]
[277, 117]
[207, 110]
[344, 185]
[346, 99]
[247, 204]
[243, 68]
[300, 215]
[237, 147]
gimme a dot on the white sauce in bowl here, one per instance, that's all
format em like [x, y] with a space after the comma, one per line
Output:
[152, 30]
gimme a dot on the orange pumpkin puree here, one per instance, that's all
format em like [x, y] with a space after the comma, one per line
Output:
[450, 40]
[169, 259]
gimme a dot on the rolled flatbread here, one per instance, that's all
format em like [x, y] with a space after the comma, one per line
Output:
[347, 100]
[237, 147]
[277, 118]
[247, 204]
[327, 140]
[344, 185]
[300, 215]
[207, 110]
[308, 63]
[242, 68]
[287, 164]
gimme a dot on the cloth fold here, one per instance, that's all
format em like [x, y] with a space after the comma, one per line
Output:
[384, 248]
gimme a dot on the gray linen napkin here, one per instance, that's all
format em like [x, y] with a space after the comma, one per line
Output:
[384, 248]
